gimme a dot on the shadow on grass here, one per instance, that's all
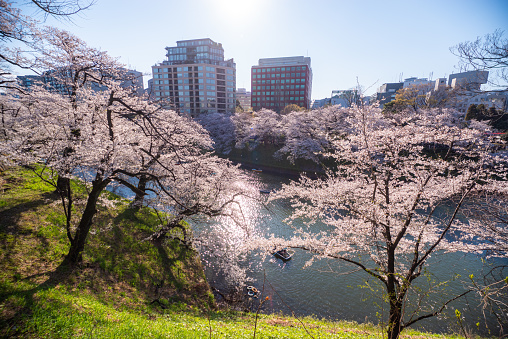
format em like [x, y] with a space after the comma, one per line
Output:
[12, 229]
[164, 271]
[9, 217]
[11, 322]
[117, 256]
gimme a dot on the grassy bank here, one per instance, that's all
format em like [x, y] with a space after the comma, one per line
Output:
[125, 287]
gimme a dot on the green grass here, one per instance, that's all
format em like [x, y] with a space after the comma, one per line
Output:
[112, 293]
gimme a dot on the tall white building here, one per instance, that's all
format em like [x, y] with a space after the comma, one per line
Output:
[195, 78]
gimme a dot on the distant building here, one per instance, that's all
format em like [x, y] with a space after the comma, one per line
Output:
[465, 90]
[28, 81]
[51, 80]
[321, 103]
[243, 96]
[459, 91]
[278, 82]
[439, 84]
[462, 101]
[135, 81]
[416, 81]
[471, 80]
[345, 98]
[195, 78]
[386, 92]
[149, 88]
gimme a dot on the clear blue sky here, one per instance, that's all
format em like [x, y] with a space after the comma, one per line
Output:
[373, 40]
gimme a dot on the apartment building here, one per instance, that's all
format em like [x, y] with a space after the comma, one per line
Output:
[195, 79]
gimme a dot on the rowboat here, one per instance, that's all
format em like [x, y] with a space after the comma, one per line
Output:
[284, 254]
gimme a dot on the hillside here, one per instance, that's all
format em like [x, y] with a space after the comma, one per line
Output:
[125, 287]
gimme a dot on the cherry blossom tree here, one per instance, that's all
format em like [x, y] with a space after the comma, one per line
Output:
[262, 127]
[94, 128]
[307, 134]
[488, 224]
[242, 122]
[16, 27]
[383, 200]
[221, 129]
[299, 134]
[105, 139]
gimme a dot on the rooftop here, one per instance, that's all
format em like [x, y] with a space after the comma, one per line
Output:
[294, 60]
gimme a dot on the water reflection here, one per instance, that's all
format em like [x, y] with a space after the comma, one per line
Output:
[330, 288]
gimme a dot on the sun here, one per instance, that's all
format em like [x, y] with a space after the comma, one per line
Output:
[239, 11]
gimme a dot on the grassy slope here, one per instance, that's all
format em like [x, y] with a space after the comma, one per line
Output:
[111, 294]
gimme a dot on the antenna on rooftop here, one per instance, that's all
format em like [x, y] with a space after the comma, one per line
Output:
[400, 76]
[430, 75]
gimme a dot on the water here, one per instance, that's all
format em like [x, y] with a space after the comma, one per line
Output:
[334, 290]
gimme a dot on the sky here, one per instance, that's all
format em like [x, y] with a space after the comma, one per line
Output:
[369, 42]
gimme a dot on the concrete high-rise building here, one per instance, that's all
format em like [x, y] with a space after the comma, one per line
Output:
[278, 82]
[195, 78]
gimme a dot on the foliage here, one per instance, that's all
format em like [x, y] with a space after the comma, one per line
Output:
[394, 172]
[291, 108]
[416, 97]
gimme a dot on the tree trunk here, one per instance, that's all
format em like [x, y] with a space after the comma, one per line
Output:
[78, 245]
[394, 320]
[138, 200]
[63, 185]
[395, 317]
